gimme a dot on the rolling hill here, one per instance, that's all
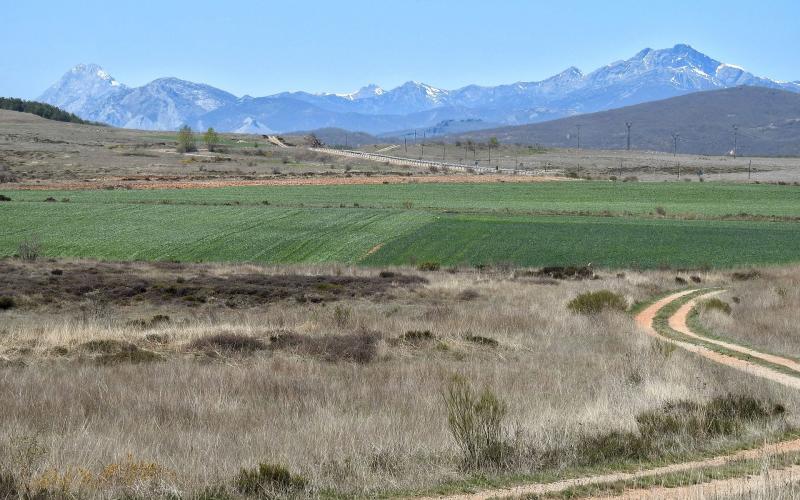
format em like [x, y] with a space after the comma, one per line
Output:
[768, 122]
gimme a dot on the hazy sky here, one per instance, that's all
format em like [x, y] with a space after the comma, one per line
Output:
[263, 47]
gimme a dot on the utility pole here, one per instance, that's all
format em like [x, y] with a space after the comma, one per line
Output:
[675, 138]
[422, 151]
[749, 169]
[345, 140]
[465, 153]
[443, 151]
[735, 139]
[405, 144]
[628, 125]
[579, 135]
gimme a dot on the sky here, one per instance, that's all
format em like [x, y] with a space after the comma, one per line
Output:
[264, 47]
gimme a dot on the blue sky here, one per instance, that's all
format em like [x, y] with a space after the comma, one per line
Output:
[263, 47]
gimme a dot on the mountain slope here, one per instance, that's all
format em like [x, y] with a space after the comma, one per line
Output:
[768, 123]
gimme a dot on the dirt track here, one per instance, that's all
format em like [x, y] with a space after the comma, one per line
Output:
[719, 487]
[133, 183]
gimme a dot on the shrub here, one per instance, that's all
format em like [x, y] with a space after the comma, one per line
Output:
[7, 303]
[359, 347]
[716, 304]
[341, 316]
[387, 274]
[595, 302]
[228, 342]
[680, 281]
[268, 479]
[186, 140]
[429, 266]
[4, 198]
[468, 294]
[476, 423]
[29, 249]
[484, 341]
[417, 336]
[661, 211]
[695, 279]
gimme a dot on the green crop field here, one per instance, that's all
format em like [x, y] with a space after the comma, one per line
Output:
[688, 198]
[450, 224]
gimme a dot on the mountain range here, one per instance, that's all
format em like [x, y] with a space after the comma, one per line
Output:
[167, 103]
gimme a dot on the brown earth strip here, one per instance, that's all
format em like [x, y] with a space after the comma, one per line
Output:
[127, 183]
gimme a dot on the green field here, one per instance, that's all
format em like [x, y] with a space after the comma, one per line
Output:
[677, 198]
[450, 224]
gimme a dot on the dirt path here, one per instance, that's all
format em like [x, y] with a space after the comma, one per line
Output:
[718, 487]
[276, 141]
[678, 322]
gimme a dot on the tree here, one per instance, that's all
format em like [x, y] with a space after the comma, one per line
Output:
[186, 140]
[493, 142]
[211, 138]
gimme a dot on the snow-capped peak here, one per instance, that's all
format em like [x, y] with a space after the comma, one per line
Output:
[92, 71]
[365, 92]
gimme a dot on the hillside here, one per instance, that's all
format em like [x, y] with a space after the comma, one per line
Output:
[47, 111]
[768, 123]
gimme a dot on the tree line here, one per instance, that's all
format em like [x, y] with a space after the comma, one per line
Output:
[47, 111]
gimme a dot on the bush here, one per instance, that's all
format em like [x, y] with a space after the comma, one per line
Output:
[429, 266]
[595, 302]
[661, 211]
[359, 347]
[417, 336]
[228, 342]
[341, 316]
[29, 249]
[7, 303]
[4, 198]
[186, 140]
[267, 480]
[716, 304]
[476, 423]
[468, 294]
[484, 341]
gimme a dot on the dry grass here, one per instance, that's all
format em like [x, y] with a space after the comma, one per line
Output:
[376, 424]
[764, 311]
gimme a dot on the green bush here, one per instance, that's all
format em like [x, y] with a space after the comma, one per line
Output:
[716, 304]
[595, 302]
[429, 266]
[476, 423]
[267, 480]
[7, 303]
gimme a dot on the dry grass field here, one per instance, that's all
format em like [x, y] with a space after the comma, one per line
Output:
[156, 380]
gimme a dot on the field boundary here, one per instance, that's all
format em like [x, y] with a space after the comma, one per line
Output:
[410, 162]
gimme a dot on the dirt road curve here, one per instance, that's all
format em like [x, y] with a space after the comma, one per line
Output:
[678, 322]
[719, 487]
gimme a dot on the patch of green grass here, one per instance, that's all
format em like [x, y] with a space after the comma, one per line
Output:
[677, 199]
[306, 224]
[605, 242]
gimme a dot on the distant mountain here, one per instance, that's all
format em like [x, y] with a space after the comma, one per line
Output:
[90, 92]
[768, 122]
